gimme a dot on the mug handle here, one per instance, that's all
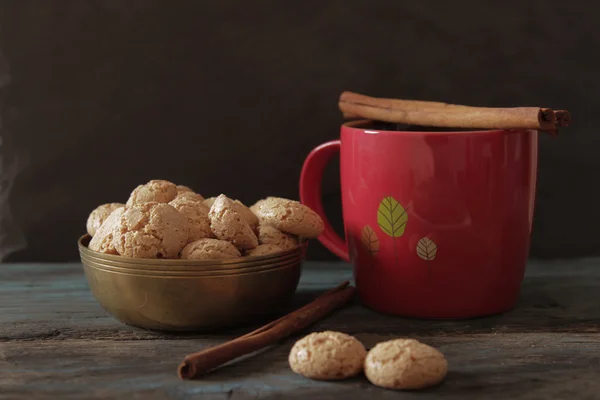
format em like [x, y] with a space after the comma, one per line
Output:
[310, 194]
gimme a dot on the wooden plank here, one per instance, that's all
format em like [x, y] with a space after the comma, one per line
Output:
[53, 302]
[492, 366]
[57, 343]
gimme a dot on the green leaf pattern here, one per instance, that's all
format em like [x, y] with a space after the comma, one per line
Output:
[392, 217]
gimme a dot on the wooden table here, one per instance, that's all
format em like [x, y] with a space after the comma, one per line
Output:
[57, 343]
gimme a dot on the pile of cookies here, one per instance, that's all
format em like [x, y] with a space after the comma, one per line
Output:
[393, 364]
[164, 220]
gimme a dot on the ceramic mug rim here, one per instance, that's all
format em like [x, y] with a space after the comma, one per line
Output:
[358, 126]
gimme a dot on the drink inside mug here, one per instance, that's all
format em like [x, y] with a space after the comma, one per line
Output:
[393, 127]
[436, 225]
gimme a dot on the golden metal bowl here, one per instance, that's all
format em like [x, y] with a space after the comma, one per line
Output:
[191, 295]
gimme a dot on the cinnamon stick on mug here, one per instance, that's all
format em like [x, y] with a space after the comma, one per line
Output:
[198, 363]
[430, 113]
[562, 118]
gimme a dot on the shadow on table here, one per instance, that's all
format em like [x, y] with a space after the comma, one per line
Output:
[551, 304]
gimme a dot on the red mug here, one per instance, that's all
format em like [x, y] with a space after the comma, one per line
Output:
[437, 224]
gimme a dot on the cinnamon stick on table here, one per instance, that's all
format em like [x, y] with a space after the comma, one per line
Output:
[198, 363]
[437, 114]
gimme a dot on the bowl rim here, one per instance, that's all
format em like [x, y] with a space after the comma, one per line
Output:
[195, 274]
[237, 263]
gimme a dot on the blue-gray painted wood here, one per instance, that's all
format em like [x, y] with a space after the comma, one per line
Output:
[57, 343]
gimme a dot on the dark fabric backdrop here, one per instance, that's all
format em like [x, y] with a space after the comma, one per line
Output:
[230, 96]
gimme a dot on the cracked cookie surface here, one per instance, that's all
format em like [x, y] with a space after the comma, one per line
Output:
[289, 216]
[156, 190]
[228, 224]
[189, 195]
[209, 249]
[248, 215]
[269, 235]
[102, 241]
[197, 215]
[405, 364]
[263, 250]
[327, 355]
[99, 215]
[151, 230]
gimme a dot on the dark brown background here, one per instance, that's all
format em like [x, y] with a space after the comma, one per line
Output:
[230, 96]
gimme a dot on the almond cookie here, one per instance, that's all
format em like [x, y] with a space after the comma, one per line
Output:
[190, 195]
[248, 215]
[327, 356]
[227, 224]
[256, 206]
[269, 235]
[405, 364]
[156, 190]
[99, 215]
[241, 209]
[264, 249]
[102, 240]
[183, 188]
[197, 215]
[290, 216]
[209, 249]
[209, 202]
[151, 230]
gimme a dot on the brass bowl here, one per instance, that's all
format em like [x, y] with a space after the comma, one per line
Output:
[191, 295]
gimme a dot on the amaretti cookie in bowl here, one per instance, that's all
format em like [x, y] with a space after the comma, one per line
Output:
[169, 259]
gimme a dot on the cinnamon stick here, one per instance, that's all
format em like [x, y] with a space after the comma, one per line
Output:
[429, 113]
[562, 118]
[336, 289]
[198, 363]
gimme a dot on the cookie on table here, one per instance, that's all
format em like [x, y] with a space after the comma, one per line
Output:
[327, 355]
[102, 240]
[289, 216]
[197, 215]
[151, 230]
[264, 249]
[405, 364]
[227, 224]
[269, 235]
[156, 190]
[99, 215]
[209, 249]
